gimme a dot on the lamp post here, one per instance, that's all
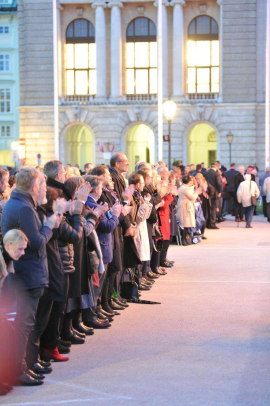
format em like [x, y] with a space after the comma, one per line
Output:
[169, 109]
[230, 138]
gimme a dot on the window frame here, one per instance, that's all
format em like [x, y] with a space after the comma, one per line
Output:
[5, 111]
[80, 40]
[5, 127]
[138, 39]
[198, 38]
[4, 62]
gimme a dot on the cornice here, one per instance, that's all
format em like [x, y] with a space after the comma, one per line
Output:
[115, 3]
[180, 2]
[99, 3]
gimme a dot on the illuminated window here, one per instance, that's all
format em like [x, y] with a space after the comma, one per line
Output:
[203, 56]
[141, 57]
[5, 101]
[80, 58]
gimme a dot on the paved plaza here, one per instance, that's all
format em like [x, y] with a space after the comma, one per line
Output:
[207, 344]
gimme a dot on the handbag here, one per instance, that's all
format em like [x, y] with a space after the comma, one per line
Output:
[157, 234]
[129, 288]
[93, 262]
[254, 201]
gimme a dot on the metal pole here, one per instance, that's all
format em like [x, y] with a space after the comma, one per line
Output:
[170, 149]
[55, 77]
[230, 145]
[267, 92]
[160, 84]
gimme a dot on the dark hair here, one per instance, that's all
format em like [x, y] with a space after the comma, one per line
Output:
[176, 163]
[72, 186]
[144, 172]
[134, 178]
[115, 158]
[232, 164]
[52, 168]
[99, 170]
[52, 194]
[94, 181]
[186, 179]
[198, 167]
[85, 165]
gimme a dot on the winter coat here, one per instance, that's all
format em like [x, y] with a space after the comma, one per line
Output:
[245, 190]
[266, 189]
[105, 230]
[20, 212]
[185, 211]
[164, 215]
[141, 239]
[213, 177]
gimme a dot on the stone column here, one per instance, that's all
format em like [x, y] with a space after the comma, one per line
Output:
[100, 31]
[116, 50]
[220, 37]
[178, 48]
[165, 3]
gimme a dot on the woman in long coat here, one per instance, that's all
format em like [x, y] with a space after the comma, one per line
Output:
[185, 211]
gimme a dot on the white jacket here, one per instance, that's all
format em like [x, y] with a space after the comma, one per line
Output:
[266, 189]
[245, 190]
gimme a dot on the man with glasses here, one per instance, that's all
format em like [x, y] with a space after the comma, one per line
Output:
[56, 176]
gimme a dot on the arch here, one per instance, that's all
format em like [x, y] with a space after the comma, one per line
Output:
[203, 27]
[80, 30]
[141, 29]
[77, 143]
[138, 142]
[186, 138]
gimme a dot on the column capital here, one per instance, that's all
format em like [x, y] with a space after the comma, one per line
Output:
[115, 3]
[164, 3]
[219, 2]
[180, 2]
[98, 3]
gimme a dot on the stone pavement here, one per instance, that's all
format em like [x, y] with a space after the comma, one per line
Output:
[207, 344]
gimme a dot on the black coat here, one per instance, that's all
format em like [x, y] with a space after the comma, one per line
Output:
[213, 177]
[239, 178]
[119, 187]
[230, 176]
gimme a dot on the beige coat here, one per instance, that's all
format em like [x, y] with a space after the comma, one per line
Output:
[245, 190]
[185, 211]
[266, 189]
[141, 238]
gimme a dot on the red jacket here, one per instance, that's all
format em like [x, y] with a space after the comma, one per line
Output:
[164, 215]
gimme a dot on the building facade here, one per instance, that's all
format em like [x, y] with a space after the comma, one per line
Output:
[9, 79]
[213, 68]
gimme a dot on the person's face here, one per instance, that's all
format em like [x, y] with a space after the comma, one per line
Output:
[202, 165]
[61, 176]
[242, 169]
[192, 168]
[98, 191]
[107, 178]
[42, 191]
[176, 170]
[147, 180]
[122, 165]
[16, 251]
[69, 172]
[4, 184]
[249, 170]
[187, 170]
[35, 189]
[140, 185]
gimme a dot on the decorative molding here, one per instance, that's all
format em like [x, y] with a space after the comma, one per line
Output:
[202, 8]
[164, 3]
[219, 2]
[115, 3]
[200, 112]
[180, 2]
[79, 11]
[140, 10]
[137, 112]
[100, 3]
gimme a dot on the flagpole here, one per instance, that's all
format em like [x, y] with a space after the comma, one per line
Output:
[160, 84]
[55, 81]
[267, 93]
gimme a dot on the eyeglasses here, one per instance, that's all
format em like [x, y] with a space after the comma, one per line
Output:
[63, 172]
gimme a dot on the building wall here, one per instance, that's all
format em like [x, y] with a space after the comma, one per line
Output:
[241, 110]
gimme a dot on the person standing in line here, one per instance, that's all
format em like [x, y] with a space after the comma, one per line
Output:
[262, 178]
[266, 192]
[230, 186]
[213, 177]
[239, 178]
[245, 192]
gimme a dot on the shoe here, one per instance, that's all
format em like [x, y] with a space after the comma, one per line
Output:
[120, 303]
[248, 226]
[62, 349]
[116, 313]
[101, 316]
[115, 306]
[172, 262]
[43, 363]
[6, 387]
[107, 310]
[161, 271]
[26, 380]
[143, 287]
[184, 243]
[77, 333]
[243, 220]
[73, 338]
[65, 344]
[166, 264]
[97, 323]
[203, 237]
[81, 328]
[152, 275]
[38, 369]
[34, 375]
[149, 279]
[213, 228]
[53, 354]
[145, 282]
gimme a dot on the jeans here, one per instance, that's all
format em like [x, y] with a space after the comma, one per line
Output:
[27, 304]
[249, 214]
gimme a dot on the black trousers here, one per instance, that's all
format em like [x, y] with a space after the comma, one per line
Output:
[238, 208]
[268, 211]
[213, 213]
[27, 304]
[265, 207]
[163, 254]
[155, 260]
[42, 317]
[51, 335]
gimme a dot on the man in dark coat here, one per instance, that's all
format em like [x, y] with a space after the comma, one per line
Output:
[213, 177]
[262, 178]
[230, 186]
[31, 269]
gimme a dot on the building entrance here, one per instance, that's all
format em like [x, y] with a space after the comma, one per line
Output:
[140, 145]
[202, 145]
[78, 145]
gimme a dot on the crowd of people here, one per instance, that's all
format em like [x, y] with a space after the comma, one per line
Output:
[77, 247]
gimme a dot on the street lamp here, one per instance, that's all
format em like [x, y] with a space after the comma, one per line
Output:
[230, 138]
[169, 109]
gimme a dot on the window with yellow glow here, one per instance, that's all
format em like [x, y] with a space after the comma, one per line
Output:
[203, 56]
[141, 57]
[80, 58]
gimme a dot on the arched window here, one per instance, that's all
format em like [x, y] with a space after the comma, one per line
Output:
[203, 56]
[80, 58]
[141, 57]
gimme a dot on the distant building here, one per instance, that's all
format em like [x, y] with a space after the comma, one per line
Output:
[9, 79]
[213, 67]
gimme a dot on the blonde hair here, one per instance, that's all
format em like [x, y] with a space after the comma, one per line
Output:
[26, 177]
[200, 176]
[14, 237]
